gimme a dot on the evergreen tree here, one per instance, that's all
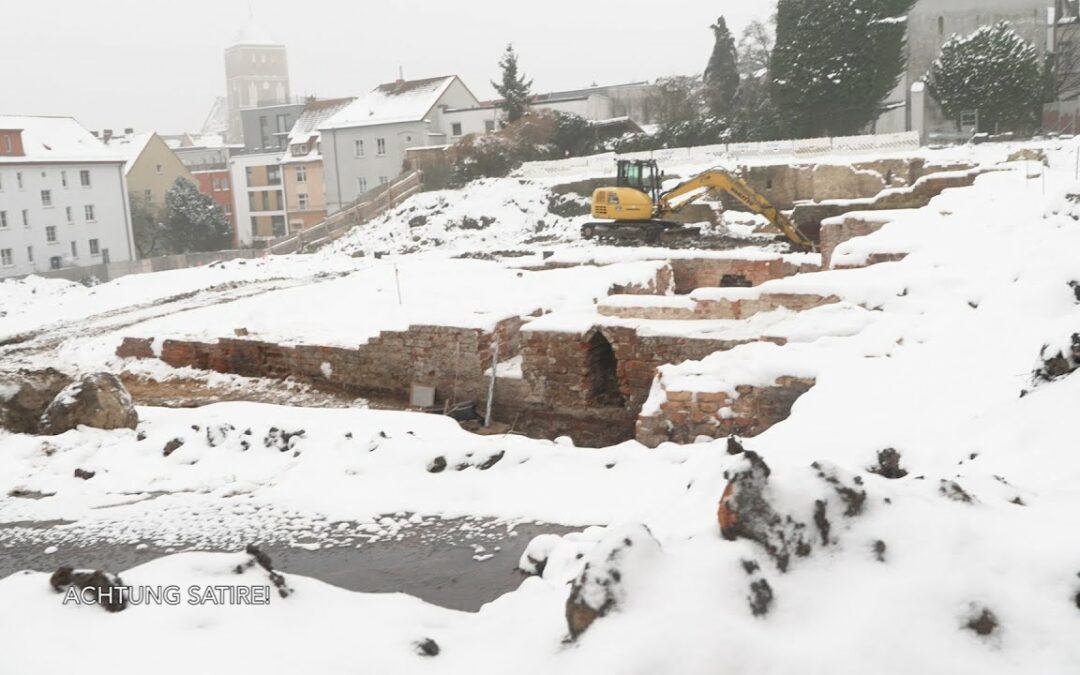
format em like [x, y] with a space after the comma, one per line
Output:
[993, 71]
[835, 62]
[193, 222]
[514, 88]
[147, 227]
[722, 74]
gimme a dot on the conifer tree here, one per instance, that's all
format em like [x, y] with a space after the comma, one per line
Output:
[514, 88]
[835, 62]
[722, 74]
[193, 221]
[992, 71]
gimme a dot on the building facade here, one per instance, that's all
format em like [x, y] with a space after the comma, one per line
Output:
[266, 128]
[256, 74]
[364, 145]
[151, 167]
[302, 165]
[210, 167]
[63, 197]
[259, 197]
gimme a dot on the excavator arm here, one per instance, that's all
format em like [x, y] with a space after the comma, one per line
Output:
[690, 191]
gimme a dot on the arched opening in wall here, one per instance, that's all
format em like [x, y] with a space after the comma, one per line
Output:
[603, 377]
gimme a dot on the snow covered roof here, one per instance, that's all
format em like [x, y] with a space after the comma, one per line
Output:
[393, 103]
[306, 129]
[253, 35]
[130, 147]
[55, 139]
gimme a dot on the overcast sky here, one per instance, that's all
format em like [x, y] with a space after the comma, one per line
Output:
[156, 64]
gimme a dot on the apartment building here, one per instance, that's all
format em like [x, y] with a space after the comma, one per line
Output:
[302, 164]
[63, 197]
[151, 165]
[365, 143]
[259, 197]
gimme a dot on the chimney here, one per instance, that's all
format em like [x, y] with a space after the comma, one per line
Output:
[96, 134]
[106, 135]
[129, 131]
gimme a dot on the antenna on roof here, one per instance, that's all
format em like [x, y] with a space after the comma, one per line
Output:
[400, 74]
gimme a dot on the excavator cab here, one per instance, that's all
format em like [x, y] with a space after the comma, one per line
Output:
[635, 195]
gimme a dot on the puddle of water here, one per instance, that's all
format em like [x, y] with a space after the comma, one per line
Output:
[434, 562]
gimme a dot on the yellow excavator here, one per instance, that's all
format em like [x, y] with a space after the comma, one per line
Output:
[636, 209]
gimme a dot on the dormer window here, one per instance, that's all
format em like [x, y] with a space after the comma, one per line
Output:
[11, 142]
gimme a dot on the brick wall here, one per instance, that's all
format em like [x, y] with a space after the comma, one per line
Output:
[693, 273]
[684, 415]
[453, 360]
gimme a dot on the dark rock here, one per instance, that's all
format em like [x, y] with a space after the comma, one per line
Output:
[734, 446]
[955, 492]
[437, 465]
[879, 550]
[888, 465]
[491, 461]
[427, 647]
[262, 559]
[984, 624]
[27, 394]
[418, 221]
[761, 597]
[172, 446]
[821, 520]
[281, 439]
[750, 566]
[601, 586]
[96, 400]
[1056, 365]
[84, 474]
[108, 588]
[854, 499]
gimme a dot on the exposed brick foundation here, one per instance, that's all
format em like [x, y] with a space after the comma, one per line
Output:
[684, 415]
[694, 273]
[721, 308]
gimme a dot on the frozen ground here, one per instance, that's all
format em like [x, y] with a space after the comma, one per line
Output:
[933, 356]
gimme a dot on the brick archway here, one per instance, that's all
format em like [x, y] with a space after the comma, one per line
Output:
[603, 372]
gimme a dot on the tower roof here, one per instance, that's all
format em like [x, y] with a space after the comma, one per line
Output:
[254, 35]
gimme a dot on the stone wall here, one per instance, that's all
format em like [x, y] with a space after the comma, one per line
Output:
[843, 228]
[452, 360]
[684, 415]
[694, 273]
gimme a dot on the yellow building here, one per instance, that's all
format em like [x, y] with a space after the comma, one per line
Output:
[302, 165]
[151, 167]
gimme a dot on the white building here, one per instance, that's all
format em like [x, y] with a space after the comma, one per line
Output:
[260, 198]
[63, 197]
[364, 145]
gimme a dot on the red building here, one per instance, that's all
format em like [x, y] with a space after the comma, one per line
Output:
[210, 167]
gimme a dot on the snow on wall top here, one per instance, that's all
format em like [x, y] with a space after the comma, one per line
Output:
[55, 139]
[393, 103]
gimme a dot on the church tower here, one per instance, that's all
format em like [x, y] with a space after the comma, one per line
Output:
[256, 74]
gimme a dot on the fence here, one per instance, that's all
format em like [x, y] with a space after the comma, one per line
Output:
[808, 147]
[369, 205]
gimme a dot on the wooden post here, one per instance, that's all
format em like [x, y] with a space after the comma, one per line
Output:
[491, 385]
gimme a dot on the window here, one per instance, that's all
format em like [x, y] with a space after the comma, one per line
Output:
[63, 179]
[359, 148]
[30, 253]
[941, 25]
[9, 147]
[489, 126]
[50, 234]
[361, 184]
[283, 124]
[69, 214]
[54, 262]
[303, 199]
[3, 219]
[18, 180]
[383, 180]
[25, 218]
[380, 146]
[273, 175]
[74, 250]
[88, 211]
[148, 196]
[158, 169]
[84, 178]
[228, 209]
[455, 129]
[6, 259]
[94, 248]
[1, 182]
[46, 198]
[301, 174]
[278, 223]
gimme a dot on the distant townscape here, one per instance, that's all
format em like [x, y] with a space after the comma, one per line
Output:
[277, 165]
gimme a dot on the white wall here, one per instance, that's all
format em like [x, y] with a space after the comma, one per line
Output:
[111, 226]
[472, 120]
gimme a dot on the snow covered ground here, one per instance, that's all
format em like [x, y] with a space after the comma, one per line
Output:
[965, 563]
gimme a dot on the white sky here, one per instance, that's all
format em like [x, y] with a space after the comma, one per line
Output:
[157, 64]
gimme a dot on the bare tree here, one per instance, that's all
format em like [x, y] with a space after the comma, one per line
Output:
[755, 47]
